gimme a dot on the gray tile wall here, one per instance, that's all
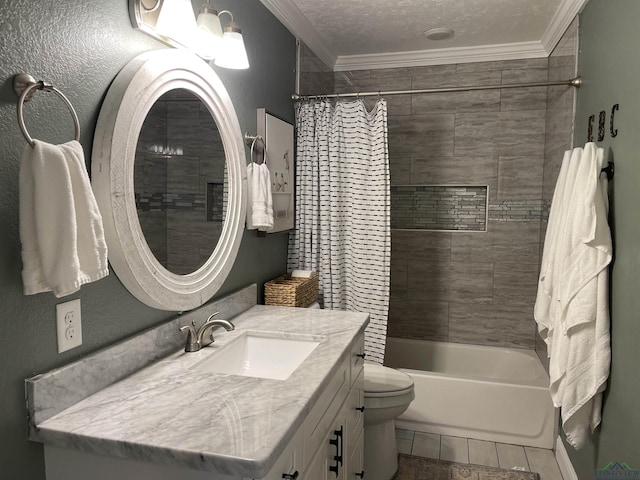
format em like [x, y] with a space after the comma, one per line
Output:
[471, 287]
[315, 76]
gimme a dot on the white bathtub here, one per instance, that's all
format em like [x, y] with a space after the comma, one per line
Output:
[473, 391]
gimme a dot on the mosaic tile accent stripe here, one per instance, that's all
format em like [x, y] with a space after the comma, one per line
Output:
[430, 207]
[518, 211]
[160, 202]
[546, 206]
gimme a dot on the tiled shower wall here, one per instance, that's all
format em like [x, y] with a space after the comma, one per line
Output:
[470, 287]
[315, 76]
[171, 190]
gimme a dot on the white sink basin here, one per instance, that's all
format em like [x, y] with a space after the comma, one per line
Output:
[260, 354]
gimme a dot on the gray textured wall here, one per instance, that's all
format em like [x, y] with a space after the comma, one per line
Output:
[608, 64]
[80, 47]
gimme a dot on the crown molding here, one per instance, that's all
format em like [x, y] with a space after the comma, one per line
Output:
[292, 18]
[561, 20]
[441, 56]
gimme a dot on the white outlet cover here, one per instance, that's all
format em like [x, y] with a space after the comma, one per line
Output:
[69, 325]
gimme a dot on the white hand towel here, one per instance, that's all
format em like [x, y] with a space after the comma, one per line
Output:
[259, 199]
[265, 179]
[251, 171]
[63, 244]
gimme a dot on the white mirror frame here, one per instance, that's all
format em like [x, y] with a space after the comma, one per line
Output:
[128, 101]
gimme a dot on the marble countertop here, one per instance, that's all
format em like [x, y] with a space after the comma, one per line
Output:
[171, 413]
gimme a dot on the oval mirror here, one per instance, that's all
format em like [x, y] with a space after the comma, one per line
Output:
[179, 174]
[168, 175]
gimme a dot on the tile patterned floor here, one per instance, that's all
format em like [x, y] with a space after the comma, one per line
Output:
[479, 452]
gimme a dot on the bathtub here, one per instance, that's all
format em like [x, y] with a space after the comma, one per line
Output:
[473, 391]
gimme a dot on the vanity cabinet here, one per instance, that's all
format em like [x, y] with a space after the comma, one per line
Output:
[332, 434]
[327, 446]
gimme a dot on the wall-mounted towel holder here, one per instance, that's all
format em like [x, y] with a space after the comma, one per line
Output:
[25, 87]
[610, 169]
[252, 140]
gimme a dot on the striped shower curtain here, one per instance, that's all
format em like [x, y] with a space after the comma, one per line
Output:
[343, 209]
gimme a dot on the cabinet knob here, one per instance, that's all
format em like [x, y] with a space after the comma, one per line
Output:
[361, 474]
[291, 476]
[361, 355]
[360, 409]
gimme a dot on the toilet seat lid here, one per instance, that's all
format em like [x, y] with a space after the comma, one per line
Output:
[380, 380]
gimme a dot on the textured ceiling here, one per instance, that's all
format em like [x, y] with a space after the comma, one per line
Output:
[376, 33]
[355, 27]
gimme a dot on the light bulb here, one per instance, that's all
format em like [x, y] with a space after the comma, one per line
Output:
[233, 53]
[177, 22]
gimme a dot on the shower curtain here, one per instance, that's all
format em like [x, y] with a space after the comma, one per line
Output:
[343, 229]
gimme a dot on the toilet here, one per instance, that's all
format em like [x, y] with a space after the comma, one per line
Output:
[387, 394]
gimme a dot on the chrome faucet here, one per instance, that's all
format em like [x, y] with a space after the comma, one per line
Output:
[204, 335]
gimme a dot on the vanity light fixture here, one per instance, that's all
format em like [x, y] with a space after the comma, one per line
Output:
[233, 53]
[173, 22]
[210, 32]
[176, 21]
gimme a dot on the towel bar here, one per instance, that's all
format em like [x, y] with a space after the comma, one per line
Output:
[25, 87]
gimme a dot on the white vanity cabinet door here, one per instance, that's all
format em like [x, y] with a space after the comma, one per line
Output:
[329, 460]
[355, 463]
[321, 416]
[354, 413]
[289, 462]
[317, 468]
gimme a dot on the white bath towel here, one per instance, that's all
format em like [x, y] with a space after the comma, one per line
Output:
[589, 243]
[572, 302]
[259, 199]
[63, 244]
[544, 307]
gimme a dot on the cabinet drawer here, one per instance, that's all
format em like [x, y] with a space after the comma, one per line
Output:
[357, 357]
[321, 417]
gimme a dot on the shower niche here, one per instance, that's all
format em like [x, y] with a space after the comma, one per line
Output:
[444, 208]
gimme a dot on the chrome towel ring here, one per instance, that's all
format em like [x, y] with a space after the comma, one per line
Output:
[251, 140]
[25, 87]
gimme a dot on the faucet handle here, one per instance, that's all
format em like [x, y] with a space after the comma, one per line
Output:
[192, 344]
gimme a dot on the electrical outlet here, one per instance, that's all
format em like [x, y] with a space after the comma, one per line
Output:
[69, 325]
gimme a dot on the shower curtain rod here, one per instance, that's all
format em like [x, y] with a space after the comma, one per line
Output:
[574, 82]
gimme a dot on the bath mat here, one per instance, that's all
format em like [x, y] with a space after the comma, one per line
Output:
[420, 468]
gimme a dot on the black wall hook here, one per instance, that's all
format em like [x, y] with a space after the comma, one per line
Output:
[609, 170]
